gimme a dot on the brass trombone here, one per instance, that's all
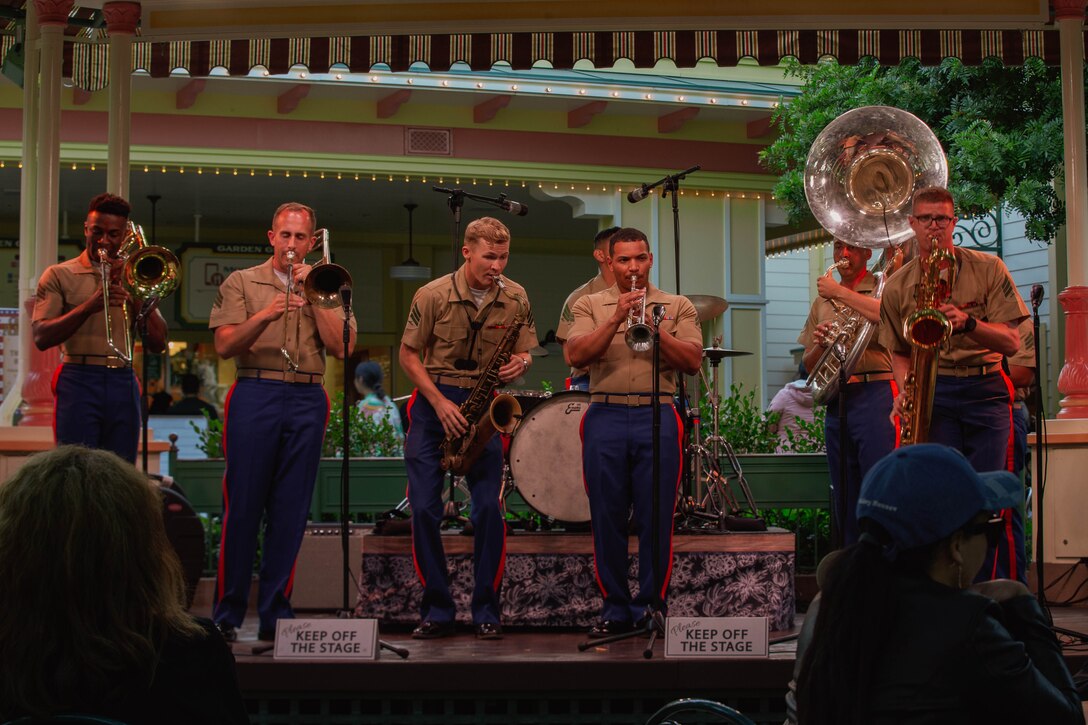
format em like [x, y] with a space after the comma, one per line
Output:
[321, 288]
[149, 273]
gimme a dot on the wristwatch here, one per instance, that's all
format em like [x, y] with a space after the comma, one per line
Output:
[969, 324]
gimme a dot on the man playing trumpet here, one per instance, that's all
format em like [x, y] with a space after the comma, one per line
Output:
[618, 465]
[870, 389]
[97, 397]
[274, 418]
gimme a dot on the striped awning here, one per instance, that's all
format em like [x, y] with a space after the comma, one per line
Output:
[87, 62]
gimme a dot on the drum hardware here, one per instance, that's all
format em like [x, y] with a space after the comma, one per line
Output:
[707, 307]
[717, 504]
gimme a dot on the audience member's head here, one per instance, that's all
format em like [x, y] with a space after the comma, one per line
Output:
[190, 384]
[368, 378]
[91, 586]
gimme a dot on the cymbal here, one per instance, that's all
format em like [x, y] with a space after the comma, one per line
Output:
[707, 307]
[715, 354]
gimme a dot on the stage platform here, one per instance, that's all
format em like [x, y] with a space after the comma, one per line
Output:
[529, 677]
[549, 580]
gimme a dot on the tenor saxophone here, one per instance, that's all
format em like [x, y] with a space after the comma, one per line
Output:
[927, 328]
[486, 412]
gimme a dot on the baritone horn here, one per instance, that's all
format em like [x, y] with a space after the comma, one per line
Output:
[321, 288]
[148, 274]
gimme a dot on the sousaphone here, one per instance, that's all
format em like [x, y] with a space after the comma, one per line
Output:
[860, 176]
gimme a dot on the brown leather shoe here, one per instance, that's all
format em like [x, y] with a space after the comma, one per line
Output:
[229, 633]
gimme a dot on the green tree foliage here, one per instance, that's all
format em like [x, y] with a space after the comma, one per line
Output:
[1001, 128]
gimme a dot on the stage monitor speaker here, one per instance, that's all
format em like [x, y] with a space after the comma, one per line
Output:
[319, 583]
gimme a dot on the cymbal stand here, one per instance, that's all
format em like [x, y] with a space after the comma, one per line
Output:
[719, 504]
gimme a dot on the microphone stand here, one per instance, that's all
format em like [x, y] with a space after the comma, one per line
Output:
[838, 519]
[145, 406]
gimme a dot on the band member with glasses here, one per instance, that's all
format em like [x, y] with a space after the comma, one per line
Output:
[870, 389]
[454, 329]
[972, 396]
[579, 379]
[97, 396]
[274, 418]
[618, 466]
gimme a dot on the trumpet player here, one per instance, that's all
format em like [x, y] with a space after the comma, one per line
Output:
[870, 388]
[274, 418]
[972, 396]
[451, 338]
[96, 394]
[618, 465]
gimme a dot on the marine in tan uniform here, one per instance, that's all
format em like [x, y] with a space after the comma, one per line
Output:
[870, 390]
[453, 331]
[972, 396]
[97, 398]
[274, 418]
[579, 379]
[618, 465]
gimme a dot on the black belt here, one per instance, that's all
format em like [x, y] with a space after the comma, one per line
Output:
[875, 377]
[631, 399]
[455, 382]
[105, 361]
[968, 371]
[281, 375]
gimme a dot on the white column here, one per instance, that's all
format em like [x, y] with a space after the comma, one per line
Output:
[121, 19]
[1070, 17]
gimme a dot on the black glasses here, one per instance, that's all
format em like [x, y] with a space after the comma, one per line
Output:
[993, 528]
[940, 220]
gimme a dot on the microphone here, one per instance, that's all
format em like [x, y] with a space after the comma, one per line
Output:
[514, 207]
[345, 296]
[1036, 295]
[657, 314]
[638, 194]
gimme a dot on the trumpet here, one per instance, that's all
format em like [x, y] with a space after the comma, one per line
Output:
[321, 288]
[639, 335]
[148, 274]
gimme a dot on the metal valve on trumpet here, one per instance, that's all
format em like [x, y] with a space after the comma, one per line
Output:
[321, 288]
[639, 336]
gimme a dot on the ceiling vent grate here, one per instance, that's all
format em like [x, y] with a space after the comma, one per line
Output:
[429, 141]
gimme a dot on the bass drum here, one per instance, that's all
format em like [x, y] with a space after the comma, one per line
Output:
[546, 457]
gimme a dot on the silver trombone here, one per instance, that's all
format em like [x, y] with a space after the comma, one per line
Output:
[321, 288]
[148, 274]
[639, 336]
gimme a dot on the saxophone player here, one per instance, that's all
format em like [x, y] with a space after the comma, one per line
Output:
[870, 388]
[972, 395]
[456, 324]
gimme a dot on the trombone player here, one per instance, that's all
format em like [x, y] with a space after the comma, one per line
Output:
[97, 397]
[274, 417]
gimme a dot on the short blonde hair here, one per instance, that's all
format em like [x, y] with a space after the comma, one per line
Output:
[487, 229]
[932, 195]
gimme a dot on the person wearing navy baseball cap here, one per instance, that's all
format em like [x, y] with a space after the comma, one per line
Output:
[902, 636]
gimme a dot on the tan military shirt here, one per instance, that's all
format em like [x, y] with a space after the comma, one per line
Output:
[67, 285]
[983, 289]
[440, 324]
[566, 317]
[247, 291]
[622, 370]
[875, 359]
